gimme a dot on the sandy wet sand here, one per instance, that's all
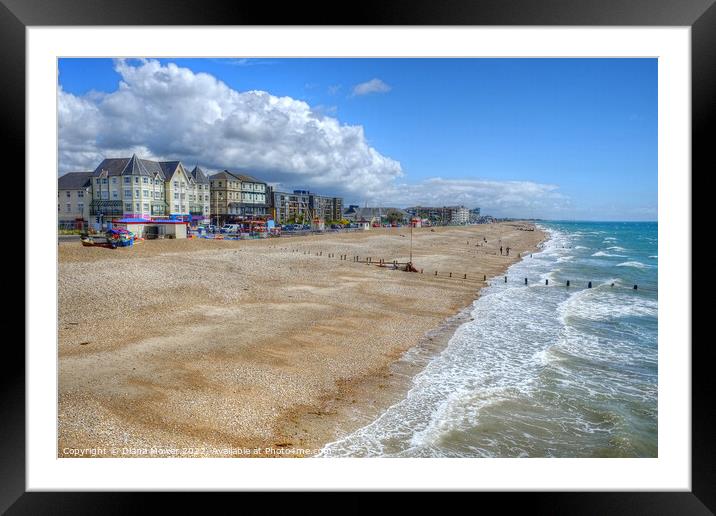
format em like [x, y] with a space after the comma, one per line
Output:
[264, 347]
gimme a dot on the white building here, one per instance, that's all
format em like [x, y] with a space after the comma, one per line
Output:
[74, 195]
[141, 188]
[459, 215]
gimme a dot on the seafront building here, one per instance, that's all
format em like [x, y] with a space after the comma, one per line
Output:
[474, 215]
[376, 215]
[302, 206]
[74, 194]
[445, 215]
[140, 188]
[236, 197]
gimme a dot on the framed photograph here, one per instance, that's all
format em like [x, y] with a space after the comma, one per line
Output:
[415, 247]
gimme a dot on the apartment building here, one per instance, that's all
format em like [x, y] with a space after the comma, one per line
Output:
[140, 188]
[74, 194]
[291, 207]
[444, 215]
[237, 197]
[304, 206]
[187, 193]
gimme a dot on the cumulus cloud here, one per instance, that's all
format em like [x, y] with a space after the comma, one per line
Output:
[371, 86]
[169, 112]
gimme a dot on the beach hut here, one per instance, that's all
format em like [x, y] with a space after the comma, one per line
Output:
[133, 224]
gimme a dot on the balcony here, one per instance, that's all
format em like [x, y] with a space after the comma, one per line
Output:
[106, 208]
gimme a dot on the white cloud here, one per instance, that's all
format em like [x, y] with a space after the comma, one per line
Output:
[499, 198]
[371, 86]
[170, 112]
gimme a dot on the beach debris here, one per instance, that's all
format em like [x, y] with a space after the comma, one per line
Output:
[84, 343]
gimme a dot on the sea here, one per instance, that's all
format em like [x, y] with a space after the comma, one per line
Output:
[542, 369]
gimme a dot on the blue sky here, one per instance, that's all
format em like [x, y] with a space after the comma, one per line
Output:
[552, 138]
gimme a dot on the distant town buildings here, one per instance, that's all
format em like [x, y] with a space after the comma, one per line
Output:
[135, 188]
[376, 215]
[455, 215]
[474, 215]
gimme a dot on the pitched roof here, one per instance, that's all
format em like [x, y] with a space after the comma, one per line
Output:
[169, 168]
[248, 179]
[199, 175]
[74, 181]
[112, 166]
[136, 166]
[224, 174]
[153, 167]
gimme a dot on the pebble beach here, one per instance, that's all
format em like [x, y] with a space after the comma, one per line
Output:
[267, 348]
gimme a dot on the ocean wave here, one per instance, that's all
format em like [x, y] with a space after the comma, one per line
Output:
[615, 248]
[601, 305]
[635, 264]
[602, 253]
[654, 256]
[536, 358]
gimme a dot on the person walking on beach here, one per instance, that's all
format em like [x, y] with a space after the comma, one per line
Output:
[500, 250]
[508, 251]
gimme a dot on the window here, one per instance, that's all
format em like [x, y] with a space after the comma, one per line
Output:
[115, 194]
[68, 193]
[127, 206]
[104, 180]
[68, 207]
[128, 192]
[127, 180]
[219, 184]
[176, 196]
[145, 180]
[176, 184]
[105, 195]
[136, 193]
[80, 207]
[146, 193]
[96, 181]
[136, 179]
[80, 193]
[114, 180]
[136, 207]
[146, 206]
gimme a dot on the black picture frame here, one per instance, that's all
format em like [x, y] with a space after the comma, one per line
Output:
[700, 15]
